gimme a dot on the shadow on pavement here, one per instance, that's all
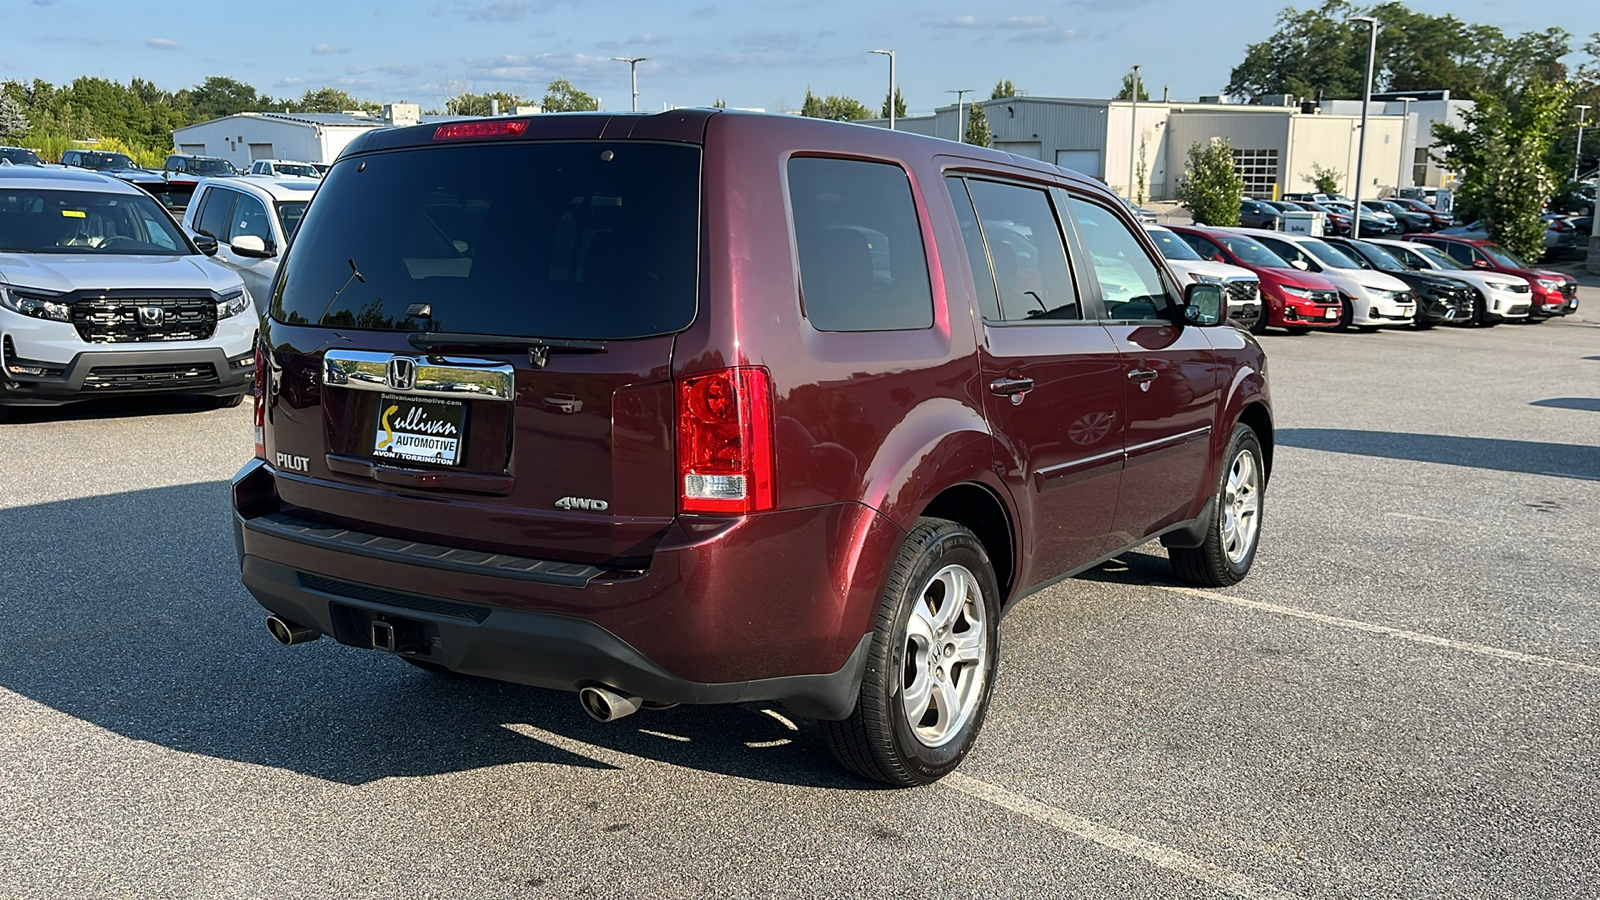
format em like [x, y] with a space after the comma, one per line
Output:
[126, 611]
[1588, 404]
[108, 408]
[1532, 457]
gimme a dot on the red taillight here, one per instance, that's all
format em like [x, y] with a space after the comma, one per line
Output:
[490, 128]
[726, 458]
[258, 390]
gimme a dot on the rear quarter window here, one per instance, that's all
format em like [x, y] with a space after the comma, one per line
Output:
[863, 266]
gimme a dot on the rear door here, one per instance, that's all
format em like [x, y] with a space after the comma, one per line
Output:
[1054, 377]
[472, 345]
[1168, 375]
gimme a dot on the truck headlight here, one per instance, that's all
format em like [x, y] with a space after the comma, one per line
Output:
[41, 306]
[233, 303]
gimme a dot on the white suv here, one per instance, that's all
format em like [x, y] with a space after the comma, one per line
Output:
[1241, 288]
[284, 168]
[102, 295]
[1371, 298]
[251, 219]
[1500, 298]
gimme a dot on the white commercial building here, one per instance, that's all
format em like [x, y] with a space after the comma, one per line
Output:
[1276, 147]
[306, 137]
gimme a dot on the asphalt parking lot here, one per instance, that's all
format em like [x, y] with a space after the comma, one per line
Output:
[1401, 701]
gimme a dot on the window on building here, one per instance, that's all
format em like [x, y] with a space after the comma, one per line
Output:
[1259, 169]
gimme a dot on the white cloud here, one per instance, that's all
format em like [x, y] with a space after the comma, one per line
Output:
[163, 44]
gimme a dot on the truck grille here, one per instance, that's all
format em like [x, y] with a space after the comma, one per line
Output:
[126, 320]
[144, 378]
[1324, 297]
[1569, 290]
[1243, 291]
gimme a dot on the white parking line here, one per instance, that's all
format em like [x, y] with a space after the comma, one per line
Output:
[1401, 633]
[1165, 857]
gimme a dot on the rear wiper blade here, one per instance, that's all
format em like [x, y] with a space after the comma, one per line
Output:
[539, 349]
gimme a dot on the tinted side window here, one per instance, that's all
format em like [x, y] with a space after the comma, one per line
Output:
[215, 215]
[1204, 247]
[862, 263]
[1130, 282]
[1023, 237]
[1459, 252]
[250, 217]
[977, 256]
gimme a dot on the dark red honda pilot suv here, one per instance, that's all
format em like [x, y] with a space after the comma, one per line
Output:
[708, 407]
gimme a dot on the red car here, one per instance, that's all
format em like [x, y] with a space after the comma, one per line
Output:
[1554, 294]
[1295, 300]
[737, 408]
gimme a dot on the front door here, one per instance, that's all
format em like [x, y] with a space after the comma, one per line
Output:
[1053, 375]
[1169, 377]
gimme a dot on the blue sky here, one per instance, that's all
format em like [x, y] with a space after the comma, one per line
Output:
[753, 54]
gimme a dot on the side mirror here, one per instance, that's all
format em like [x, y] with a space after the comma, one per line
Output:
[205, 243]
[251, 246]
[1203, 305]
[1480, 264]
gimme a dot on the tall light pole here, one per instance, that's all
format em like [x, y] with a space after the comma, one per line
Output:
[1361, 146]
[633, 71]
[961, 134]
[890, 54]
[1133, 131]
[1578, 163]
[1405, 142]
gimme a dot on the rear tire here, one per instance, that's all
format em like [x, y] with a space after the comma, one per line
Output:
[930, 669]
[1234, 532]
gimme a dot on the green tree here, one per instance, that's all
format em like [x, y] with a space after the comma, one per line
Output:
[219, 96]
[481, 105]
[899, 104]
[835, 107]
[1318, 52]
[719, 103]
[1003, 89]
[1326, 181]
[330, 99]
[1209, 186]
[1503, 153]
[13, 118]
[977, 126]
[561, 96]
[1127, 88]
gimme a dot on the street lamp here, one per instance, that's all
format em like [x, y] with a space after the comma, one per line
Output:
[961, 134]
[633, 71]
[1578, 162]
[1361, 147]
[890, 54]
[1133, 131]
[1405, 141]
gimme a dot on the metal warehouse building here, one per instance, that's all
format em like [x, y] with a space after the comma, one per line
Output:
[306, 137]
[1275, 147]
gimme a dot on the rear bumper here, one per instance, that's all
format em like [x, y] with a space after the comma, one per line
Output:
[777, 606]
[116, 373]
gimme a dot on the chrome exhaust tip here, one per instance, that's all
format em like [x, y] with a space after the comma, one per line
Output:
[288, 633]
[605, 705]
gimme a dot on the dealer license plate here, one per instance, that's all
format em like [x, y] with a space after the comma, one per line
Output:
[420, 429]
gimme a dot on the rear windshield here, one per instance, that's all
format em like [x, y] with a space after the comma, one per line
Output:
[571, 240]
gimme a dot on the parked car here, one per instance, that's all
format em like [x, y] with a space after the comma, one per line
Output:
[1575, 197]
[1295, 300]
[284, 168]
[1559, 234]
[174, 195]
[20, 156]
[1554, 293]
[252, 220]
[181, 167]
[1408, 221]
[1317, 197]
[1437, 218]
[1334, 221]
[1497, 298]
[1440, 298]
[1259, 214]
[98, 160]
[1373, 222]
[797, 475]
[1241, 287]
[101, 295]
[1369, 299]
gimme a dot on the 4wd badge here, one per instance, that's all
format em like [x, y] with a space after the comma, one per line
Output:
[582, 503]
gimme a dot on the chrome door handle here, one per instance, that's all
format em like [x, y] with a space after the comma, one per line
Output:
[1139, 376]
[1007, 386]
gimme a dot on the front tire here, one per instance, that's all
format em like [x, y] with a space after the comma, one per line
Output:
[930, 670]
[1234, 532]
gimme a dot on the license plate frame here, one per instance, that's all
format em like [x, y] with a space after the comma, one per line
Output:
[418, 430]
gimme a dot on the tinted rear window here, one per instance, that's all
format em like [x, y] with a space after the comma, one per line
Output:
[580, 240]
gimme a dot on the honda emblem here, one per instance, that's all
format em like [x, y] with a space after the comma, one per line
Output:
[151, 316]
[402, 373]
